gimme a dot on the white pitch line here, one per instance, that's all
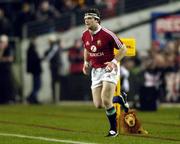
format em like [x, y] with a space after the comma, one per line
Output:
[43, 138]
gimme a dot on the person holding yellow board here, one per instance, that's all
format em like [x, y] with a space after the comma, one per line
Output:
[119, 95]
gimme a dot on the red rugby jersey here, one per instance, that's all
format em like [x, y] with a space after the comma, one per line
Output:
[100, 46]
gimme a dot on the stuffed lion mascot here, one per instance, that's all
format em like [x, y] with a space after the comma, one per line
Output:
[130, 124]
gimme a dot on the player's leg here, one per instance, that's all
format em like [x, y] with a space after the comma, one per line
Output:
[108, 89]
[96, 94]
[120, 97]
[96, 87]
[122, 100]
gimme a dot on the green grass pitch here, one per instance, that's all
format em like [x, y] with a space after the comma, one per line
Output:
[81, 124]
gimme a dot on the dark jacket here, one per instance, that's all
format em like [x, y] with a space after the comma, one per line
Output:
[33, 61]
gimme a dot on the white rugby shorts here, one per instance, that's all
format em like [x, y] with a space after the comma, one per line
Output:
[98, 75]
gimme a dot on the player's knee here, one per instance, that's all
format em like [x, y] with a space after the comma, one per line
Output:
[106, 103]
[98, 105]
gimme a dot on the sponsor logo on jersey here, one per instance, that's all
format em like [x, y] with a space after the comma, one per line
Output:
[96, 54]
[93, 48]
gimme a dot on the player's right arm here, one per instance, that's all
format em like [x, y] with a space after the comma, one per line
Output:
[86, 66]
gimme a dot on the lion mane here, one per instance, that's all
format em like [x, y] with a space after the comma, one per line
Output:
[136, 129]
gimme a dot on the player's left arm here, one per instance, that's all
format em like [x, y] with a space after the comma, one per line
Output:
[120, 53]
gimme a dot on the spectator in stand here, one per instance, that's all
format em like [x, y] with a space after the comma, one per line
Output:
[177, 53]
[24, 16]
[70, 6]
[34, 68]
[177, 61]
[59, 4]
[111, 4]
[126, 66]
[76, 58]
[78, 90]
[46, 11]
[5, 24]
[52, 55]
[7, 87]
[91, 3]
[152, 79]
[171, 76]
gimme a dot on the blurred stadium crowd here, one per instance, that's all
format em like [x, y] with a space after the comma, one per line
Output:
[155, 75]
[59, 15]
[151, 76]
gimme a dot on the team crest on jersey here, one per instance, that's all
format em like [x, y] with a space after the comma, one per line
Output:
[93, 48]
[87, 43]
[99, 42]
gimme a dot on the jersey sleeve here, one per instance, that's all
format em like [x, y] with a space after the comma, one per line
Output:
[117, 43]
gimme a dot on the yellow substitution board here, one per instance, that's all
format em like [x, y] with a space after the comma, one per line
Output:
[131, 46]
[131, 51]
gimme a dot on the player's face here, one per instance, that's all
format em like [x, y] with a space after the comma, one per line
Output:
[90, 23]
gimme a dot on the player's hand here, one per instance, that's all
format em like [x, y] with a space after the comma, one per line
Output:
[110, 66]
[86, 68]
